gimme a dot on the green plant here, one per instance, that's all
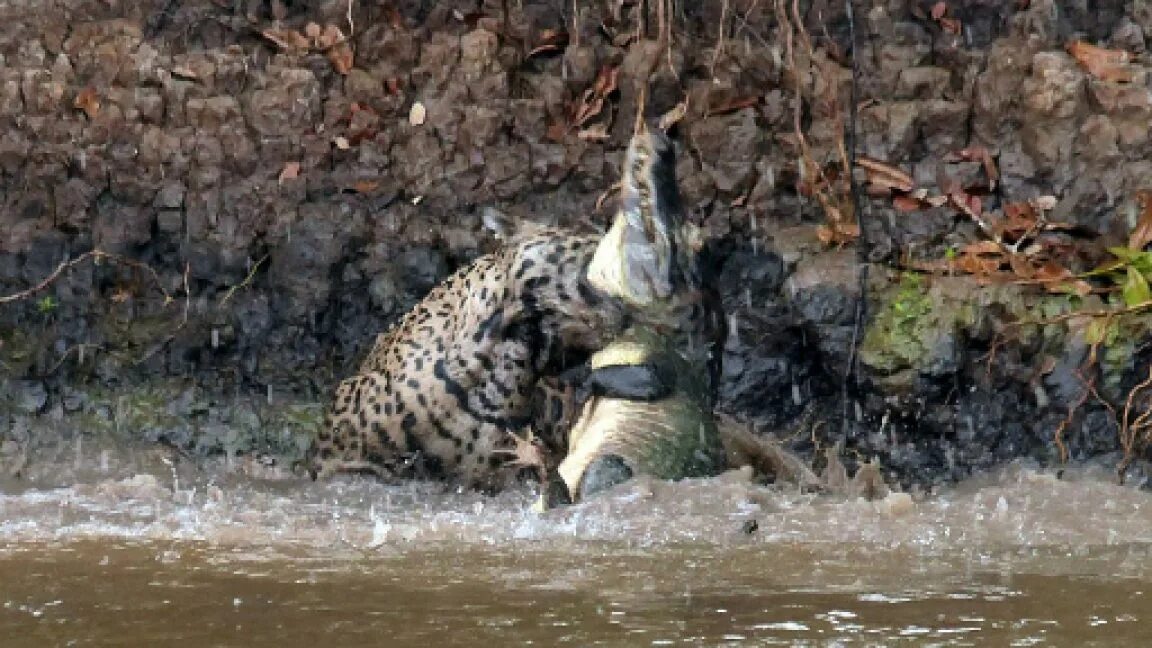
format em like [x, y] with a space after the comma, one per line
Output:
[47, 305]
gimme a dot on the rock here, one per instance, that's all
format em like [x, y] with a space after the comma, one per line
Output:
[922, 83]
[29, 396]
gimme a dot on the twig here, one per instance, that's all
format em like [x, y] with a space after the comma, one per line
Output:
[1130, 429]
[351, 25]
[719, 41]
[851, 370]
[247, 280]
[64, 265]
[96, 255]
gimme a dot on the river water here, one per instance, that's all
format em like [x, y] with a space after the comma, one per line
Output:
[157, 557]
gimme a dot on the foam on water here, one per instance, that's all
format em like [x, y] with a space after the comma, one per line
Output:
[1016, 507]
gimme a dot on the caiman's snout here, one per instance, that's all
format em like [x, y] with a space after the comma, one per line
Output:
[647, 257]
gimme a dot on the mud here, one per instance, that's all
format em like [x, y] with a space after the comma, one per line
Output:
[278, 214]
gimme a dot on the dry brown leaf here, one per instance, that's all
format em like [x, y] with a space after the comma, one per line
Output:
[1141, 235]
[339, 51]
[732, 105]
[1021, 266]
[365, 186]
[1104, 64]
[312, 31]
[980, 248]
[886, 175]
[88, 101]
[290, 171]
[550, 40]
[951, 25]
[393, 85]
[594, 133]
[970, 205]
[288, 39]
[1051, 271]
[592, 101]
[984, 156]
[906, 203]
[185, 72]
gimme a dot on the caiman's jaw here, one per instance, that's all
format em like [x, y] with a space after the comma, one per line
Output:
[647, 257]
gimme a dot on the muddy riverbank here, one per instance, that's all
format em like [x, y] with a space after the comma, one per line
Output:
[264, 205]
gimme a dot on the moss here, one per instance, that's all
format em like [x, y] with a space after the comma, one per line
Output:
[1120, 343]
[898, 337]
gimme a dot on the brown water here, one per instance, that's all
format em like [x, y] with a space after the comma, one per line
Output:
[220, 559]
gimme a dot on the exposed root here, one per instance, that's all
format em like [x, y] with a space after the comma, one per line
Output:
[832, 190]
[1136, 423]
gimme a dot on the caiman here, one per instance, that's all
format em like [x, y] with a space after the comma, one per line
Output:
[651, 390]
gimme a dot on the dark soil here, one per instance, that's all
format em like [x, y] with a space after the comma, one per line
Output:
[279, 214]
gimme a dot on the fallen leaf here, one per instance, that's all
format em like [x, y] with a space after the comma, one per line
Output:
[594, 133]
[185, 72]
[906, 203]
[732, 105]
[979, 154]
[886, 175]
[417, 114]
[365, 186]
[1021, 266]
[982, 248]
[938, 10]
[329, 36]
[337, 48]
[550, 40]
[288, 39]
[88, 101]
[951, 25]
[592, 101]
[312, 31]
[290, 171]
[341, 143]
[1104, 64]
[1141, 235]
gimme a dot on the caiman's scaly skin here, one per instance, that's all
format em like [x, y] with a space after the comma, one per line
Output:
[650, 409]
[443, 393]
[649, 414]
